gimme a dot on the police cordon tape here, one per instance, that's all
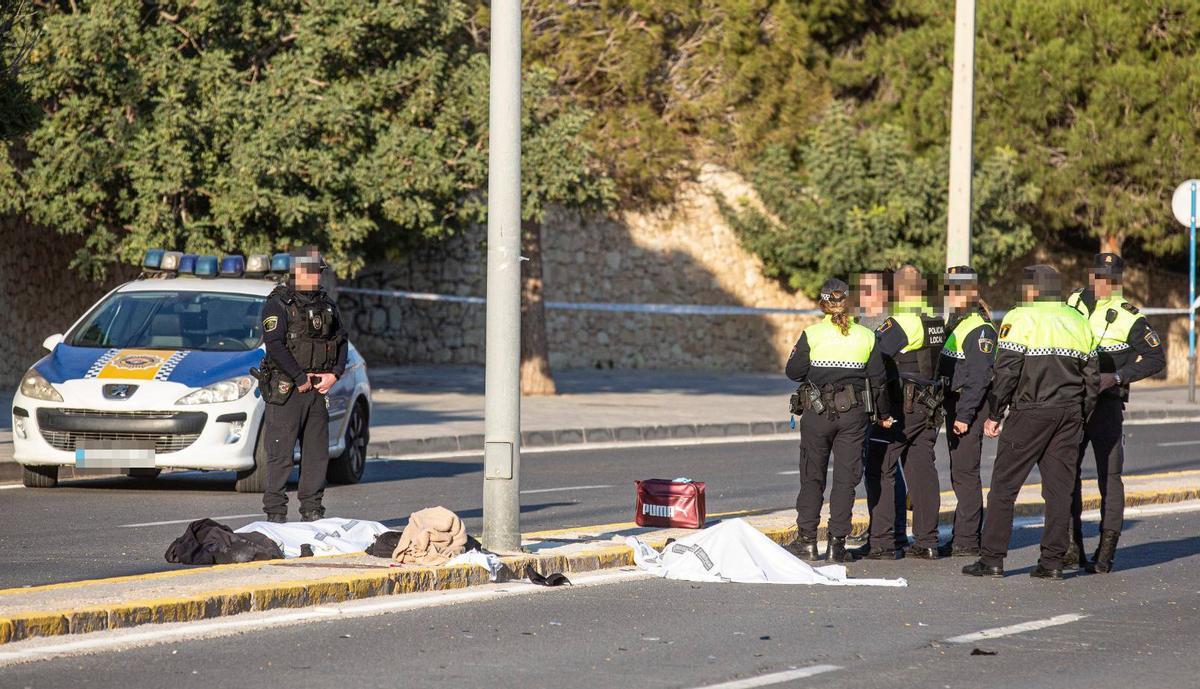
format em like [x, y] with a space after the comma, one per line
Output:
[668, 309]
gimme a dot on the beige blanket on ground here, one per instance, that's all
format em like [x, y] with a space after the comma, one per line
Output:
[432, 536]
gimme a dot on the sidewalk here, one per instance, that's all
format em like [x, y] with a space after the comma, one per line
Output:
[430, 409]
[224, 590]
[427, 409]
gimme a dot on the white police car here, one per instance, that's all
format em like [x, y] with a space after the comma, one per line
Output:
[159, 369]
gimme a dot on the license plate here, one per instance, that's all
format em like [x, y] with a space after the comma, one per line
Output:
[114, 454]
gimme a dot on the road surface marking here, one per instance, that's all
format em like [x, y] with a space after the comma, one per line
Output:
[1179, 443]
[1015, 629]
[623, 445]
[555, 490]
[189, 521]
[790, 472]
[774, 678]
[45, 648]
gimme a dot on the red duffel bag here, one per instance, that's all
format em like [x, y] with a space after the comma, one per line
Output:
[676, 504]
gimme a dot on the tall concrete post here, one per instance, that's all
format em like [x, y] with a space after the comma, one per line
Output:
[502, 392]
[958, 231]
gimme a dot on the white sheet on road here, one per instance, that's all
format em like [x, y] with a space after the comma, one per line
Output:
[734, 551]
[330, 536]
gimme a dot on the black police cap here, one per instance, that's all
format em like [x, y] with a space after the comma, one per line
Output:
[831, 286]
[1109, 265]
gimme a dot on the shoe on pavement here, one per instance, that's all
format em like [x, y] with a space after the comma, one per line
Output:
[276, 518]
[837, 551]
[923, 553]
[951, 550]
[804, 549]
[312, 515]
[1040, 572]
[1074, 557]
[979, 569]
[1107, 552]
[882, 554]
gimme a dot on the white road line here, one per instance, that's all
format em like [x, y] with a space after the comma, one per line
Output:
[555, 490]
[774, 678]
[1179, 443]
[41, 649]
[12, 485]
[790, 472]
[1015, 629]
[189, 521]
[635, 444]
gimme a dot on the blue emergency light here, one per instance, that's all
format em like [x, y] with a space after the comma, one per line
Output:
[153, 259]
[233, 266]
[258, 265]
[206, 266]
[187, 264]
[281, 263]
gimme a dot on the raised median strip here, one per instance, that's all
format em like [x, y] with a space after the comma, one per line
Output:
[219, 591]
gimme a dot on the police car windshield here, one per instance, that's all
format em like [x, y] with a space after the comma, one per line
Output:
[207, 321]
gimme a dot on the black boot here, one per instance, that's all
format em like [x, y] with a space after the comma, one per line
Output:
[979, 569]
[837, 550]
[1040, 572]
[1074, 556]
[1103, 562]
[312, 515]
[805, 549]
[276, 518]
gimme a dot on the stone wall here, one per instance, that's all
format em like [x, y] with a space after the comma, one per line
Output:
[685, 256]
[39, 293]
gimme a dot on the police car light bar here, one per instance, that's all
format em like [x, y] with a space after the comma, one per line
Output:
[170, 261]
[153, 259]
[281, 263]
[187, 264]
[206, 266]
[258, 265]
[233, 266]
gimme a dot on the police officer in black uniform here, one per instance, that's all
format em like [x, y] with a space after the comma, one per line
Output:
[911, 344]
[306, 354]
[1129, 351]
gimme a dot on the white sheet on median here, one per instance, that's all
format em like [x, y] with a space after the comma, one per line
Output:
[330, 536]
[734, 551]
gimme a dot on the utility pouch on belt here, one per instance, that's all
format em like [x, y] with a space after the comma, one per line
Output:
[910, 394]
[796, 404]
[275, 386]
[812, 398]
[845, 399]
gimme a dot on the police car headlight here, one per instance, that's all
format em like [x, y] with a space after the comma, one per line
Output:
[225, 391]
[36, 386]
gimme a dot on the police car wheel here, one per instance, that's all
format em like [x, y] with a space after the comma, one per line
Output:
[40, 476]
[349, 466]
[254, 479]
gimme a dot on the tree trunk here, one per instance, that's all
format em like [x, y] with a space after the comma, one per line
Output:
[536, 378]
[1111, 244]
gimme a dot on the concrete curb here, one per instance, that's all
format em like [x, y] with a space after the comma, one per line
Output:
[384, 582]
[567, 437]
[580, 436]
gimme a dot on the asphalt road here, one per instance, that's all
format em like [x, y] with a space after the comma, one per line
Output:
[110, 527]
[1136, 627]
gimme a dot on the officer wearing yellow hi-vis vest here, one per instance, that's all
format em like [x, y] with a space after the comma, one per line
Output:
[1046, 378]
[1129, 351]
[841, 378]
[911, 344]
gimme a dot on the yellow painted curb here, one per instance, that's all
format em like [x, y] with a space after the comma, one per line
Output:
[397, 581]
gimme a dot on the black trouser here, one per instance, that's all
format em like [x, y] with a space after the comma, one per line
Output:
[1105, 433]
[820, 434]
[1049, 438]
[876, 447]
[911, 440]
[304, 417]
[965, 451]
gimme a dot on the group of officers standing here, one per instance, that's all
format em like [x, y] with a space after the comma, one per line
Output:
[1050, 381]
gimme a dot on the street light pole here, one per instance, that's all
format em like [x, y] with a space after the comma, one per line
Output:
[958, 230]
[502, 388]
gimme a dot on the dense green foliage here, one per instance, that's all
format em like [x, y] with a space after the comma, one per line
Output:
[1100, 99]
[850, 200]
[223, 125]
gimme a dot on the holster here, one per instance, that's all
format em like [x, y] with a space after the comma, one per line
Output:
[810, 397]
[274, 384]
